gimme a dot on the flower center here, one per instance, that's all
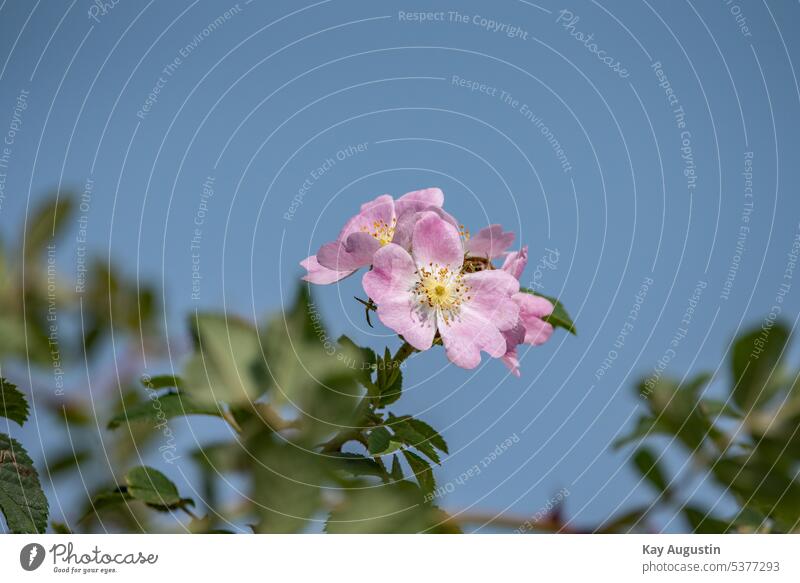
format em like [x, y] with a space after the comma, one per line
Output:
[381, 230]
[441, 289]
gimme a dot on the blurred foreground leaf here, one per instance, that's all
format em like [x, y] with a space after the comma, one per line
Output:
[21, 498]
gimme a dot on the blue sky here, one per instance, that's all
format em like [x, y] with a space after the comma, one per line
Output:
[654, 159]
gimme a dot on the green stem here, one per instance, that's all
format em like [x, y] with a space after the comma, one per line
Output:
[403, 353]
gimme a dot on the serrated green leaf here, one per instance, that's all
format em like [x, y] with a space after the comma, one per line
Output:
[157, 409]
[356, 464]
[422, 472]
[397, 469]
[378, 440]
[392, 388]
[152, 487]
[388, 379]
[428, 433]
[22, 500]
[406, 433]
[13, 404]
[560, 318]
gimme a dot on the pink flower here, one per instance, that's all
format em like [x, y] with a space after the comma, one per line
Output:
[425, 292]
[380, 222]
[490, 242]
[530, 328]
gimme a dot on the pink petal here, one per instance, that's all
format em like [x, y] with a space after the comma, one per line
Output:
[378, 200]
[436, 241]
[516, 261]
[382, 199]
[389, 285]
[402, 314]
[467, 334]
[353, 253]
[404, 230]
[490, 242]
[511, 360]
[381, 211]
[319, 274]
[419, 200]
[392, 274]
[531, 311]
[514, 337]
[444, 215]
[491, 293]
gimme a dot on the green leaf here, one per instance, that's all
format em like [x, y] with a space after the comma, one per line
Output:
[60, 528]
[287, 485]
[428, 433]
[227, 365]
[647, 464]
[645, 427]
[389, 380]
[625, 523]
[398, 508]
[397, 469]
[677, 410]
[422, 471]
[46, 223]
[12, 403]
[366, 360]
[163, 381]
[158, 408]
[755, 362]
[715, 408]
[310, 372]
[378, 440]
[356, 464]
[67, 461]
[560, 318]
[22, 500]
[405, 432]
[152, 487]
[765, 488]
[106, 500]
[704, 523]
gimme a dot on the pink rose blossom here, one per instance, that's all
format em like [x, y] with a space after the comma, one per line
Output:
[380, 222]
[424, 292]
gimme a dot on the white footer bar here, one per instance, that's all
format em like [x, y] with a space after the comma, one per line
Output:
[396, 558]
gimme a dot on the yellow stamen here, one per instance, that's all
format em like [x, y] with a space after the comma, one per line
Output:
[441, 289]
[381, 231]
